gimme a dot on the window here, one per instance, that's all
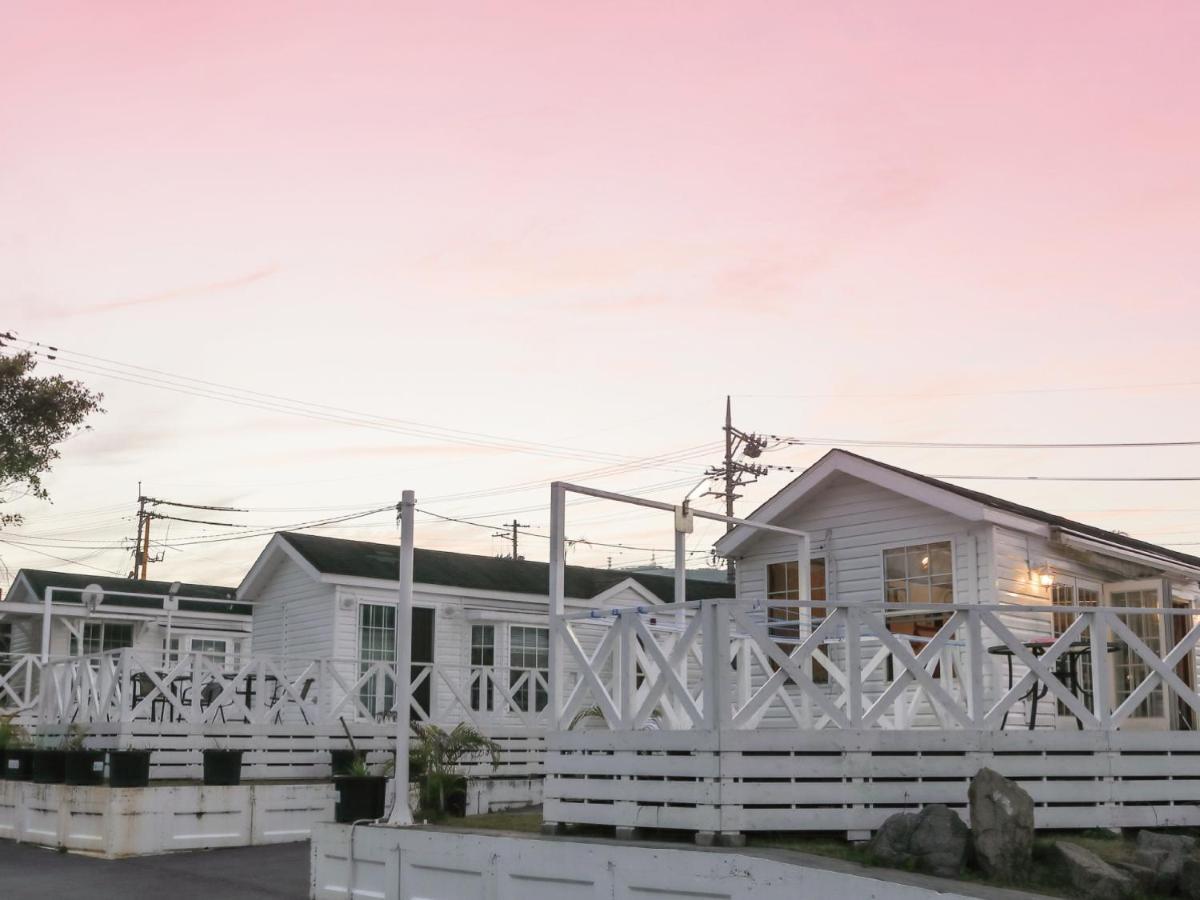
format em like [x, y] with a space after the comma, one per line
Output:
[376, 643]
[101, 637]
[483, 658]
[786, 621]
[529, 653]
[919, 575]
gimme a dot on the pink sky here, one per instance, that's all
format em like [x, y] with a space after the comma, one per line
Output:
[583, 225]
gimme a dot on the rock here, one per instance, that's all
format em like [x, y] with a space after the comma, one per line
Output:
[890, 844]
[1001, 826]
[1091, 876]
[934, 840]
[1146, 878]
[1165, 854]
[1189, 879]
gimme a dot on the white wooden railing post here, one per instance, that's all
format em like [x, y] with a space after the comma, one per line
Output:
[1098, 634]
[976, 704]
[854, 705]
[716, 665]
[627, 660]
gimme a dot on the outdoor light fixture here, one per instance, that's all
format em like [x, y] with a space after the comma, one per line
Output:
[1044, 576]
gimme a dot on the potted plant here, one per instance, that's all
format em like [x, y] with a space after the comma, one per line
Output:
[444, 787]
[15, 759]
[341, 761]
[50, 758]
[222, 766]
[128, 768]
[81, 766]
[360, 795]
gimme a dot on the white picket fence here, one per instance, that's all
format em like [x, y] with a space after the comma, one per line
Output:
[728, 720]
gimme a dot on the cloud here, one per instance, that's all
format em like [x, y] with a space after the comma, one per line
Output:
[184, 293]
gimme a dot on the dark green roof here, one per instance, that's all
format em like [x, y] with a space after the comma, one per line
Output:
[361, 559]
[40, 579]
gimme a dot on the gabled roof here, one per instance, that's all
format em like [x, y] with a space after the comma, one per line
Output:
[361, 559]
[40, 579]
[964, 502]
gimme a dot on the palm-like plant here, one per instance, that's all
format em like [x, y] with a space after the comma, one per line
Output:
[11, 734]
[443, 753]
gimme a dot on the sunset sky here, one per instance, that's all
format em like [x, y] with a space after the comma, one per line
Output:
[545, 240]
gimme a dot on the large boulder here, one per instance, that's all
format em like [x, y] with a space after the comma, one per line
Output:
[1091, 876]
[935, 840]
[1165, 854]
[1001, 826]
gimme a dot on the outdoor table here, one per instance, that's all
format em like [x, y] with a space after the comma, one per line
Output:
[1038, 647]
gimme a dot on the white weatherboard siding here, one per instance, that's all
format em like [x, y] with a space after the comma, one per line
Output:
[293, 614]
[851, 522]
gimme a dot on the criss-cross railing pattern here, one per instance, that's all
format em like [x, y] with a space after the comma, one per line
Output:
[727, 664]
[197, 689]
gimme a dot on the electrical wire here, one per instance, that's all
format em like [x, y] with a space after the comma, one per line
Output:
[950, 445]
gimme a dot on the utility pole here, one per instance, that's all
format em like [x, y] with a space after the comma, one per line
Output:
[139, 555]
[512, 535]
[734, 473]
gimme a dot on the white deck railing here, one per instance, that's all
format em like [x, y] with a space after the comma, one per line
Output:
[725, 666]
[202, 690]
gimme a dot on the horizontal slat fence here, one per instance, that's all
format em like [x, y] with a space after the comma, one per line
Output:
[775, 780]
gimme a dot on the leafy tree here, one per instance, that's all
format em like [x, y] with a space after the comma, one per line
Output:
[36, 415]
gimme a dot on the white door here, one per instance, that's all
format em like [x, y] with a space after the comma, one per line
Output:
[1128, 669]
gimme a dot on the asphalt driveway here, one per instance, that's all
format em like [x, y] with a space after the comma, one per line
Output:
[242, 873]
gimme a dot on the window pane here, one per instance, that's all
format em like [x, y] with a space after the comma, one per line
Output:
[918, 561]
[942, 590]
[897, 592]
[893, 564]
[939, 559]
[918, 591]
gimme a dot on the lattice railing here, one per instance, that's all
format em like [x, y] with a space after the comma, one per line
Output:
[726, 664]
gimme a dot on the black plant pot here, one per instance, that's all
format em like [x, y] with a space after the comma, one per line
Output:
[342, 760]
[84, 767]
[129, 768]
[18, 765]
[49, 766]
[359, 797]
[222, 767]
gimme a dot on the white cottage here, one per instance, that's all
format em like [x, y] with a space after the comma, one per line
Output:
[146, 615]
[480, 639]
[886, 535]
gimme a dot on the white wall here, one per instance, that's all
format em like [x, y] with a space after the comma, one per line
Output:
[427, 864]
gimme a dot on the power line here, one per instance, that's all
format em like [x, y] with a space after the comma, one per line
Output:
[949, 445]
[73, 562]
[129, 372]
[1082, 478]
[546, 537]
[981, 393]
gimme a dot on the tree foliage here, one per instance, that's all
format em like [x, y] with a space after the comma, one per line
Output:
[36, 415]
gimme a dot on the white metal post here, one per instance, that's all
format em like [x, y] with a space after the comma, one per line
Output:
[401, 814]
[557, 588]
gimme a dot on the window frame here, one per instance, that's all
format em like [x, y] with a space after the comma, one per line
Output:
[521, 695]
[925, 542]
[482, 699]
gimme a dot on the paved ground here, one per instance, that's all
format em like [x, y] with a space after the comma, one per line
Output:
[244, 873]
